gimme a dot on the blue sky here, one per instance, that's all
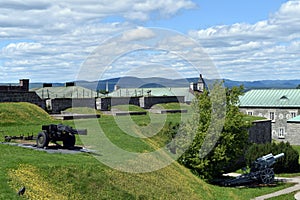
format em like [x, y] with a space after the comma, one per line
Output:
[209, 13]
[51, 41]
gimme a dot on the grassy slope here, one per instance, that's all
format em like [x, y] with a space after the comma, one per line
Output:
[21, 113]
[22, 119]
[82, 176]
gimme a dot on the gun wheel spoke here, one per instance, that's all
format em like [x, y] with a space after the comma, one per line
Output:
[267, 176]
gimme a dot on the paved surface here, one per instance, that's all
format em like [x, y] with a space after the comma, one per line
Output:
[52, 149]
[284, 191]
[280, 192]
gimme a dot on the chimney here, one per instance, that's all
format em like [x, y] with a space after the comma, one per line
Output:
[24, 84]
[47, 85]
[68, 84]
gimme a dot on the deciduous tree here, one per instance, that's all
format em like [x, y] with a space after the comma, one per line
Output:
[217, 133]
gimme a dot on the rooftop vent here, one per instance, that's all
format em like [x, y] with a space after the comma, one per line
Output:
[47, 84]
[68, 84]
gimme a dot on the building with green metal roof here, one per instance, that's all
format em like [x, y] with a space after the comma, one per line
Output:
[65, 92]
[159, 92]
[282, 106]
[271, 98]
[147, 97]
[60, 98]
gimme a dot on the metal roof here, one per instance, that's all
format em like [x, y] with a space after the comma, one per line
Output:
[132, 92]
[295, 119]
[271, 98]
[65, 92]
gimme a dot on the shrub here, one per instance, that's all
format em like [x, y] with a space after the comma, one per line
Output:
[287, 164]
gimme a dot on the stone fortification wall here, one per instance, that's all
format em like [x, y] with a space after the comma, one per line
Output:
[105, 103]
[148, 102]
[261, 132]
[15, 96]
[59, 104]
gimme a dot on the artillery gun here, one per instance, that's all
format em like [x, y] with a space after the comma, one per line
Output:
[60, 132]
[261, 171]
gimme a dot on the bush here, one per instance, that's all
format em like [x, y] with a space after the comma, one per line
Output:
[287, 164]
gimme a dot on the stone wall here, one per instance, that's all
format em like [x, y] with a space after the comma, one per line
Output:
[260, 132]
[144, 102]
[125, 101]
[14, 96]
[279, 123]
[107, 102]
[293, 133]
[22, 87]
[59, 104]
[148, 102]
[103, 104]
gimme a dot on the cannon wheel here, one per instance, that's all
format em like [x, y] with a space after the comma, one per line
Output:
[267, 176]
[42, 140]
[69, 141]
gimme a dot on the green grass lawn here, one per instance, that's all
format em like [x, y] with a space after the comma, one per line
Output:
[83, 176]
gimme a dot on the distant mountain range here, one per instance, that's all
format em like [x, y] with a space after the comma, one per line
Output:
[133, 82]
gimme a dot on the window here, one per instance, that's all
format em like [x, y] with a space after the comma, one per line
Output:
[272, 116]
[281, 133]
[250, 113]
[293, 114]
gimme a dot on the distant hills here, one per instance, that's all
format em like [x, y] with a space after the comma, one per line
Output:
[264, 84]
[134, 82]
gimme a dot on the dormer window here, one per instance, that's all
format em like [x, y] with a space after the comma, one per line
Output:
[284, 98]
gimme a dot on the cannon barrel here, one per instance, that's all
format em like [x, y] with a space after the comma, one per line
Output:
[261, 170]
[278, 156]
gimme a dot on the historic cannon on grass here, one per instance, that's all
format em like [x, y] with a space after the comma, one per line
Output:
[60, 132]
[261, 171]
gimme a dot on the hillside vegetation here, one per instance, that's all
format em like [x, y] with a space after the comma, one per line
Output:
[22, 113]
[82, 176]
[22, 119]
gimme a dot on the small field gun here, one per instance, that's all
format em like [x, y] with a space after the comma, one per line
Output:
[60, 132]
[261, 171]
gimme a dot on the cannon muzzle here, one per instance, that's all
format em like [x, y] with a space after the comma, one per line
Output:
[278, 156]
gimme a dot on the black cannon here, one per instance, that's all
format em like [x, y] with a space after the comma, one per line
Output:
[260, 171]
[60, 132]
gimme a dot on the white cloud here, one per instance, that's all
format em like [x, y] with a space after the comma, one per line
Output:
[256, 51]
[47, 38]
[139, 33]
[52, 37]
[13, 48]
